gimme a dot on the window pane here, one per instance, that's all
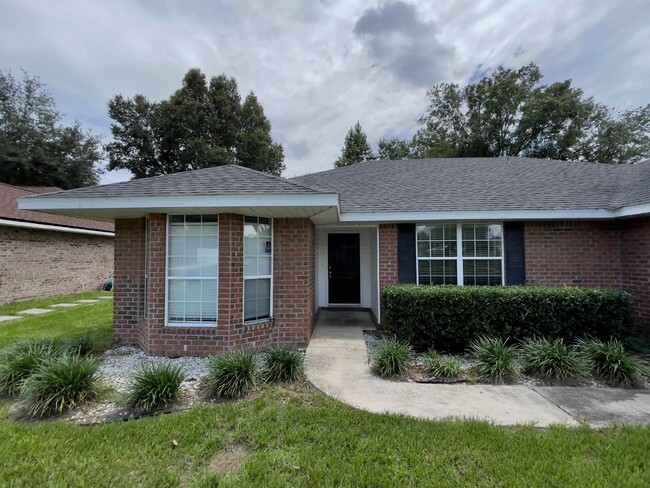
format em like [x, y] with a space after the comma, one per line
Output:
[192, 290]
[264, 230]
[264, 265]
[257, 302]
[424, 249]
[193, 252]
[209, 291]
[192, 311]
[257, 262]
[437, 272]
[176, 290]
[176, 246]
[176, 266]
[177, 311]
[482, 272]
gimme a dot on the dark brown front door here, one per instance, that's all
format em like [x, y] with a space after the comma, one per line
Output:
[344, 268]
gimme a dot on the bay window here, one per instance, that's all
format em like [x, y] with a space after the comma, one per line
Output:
[258, 268]
[459, 254]
[192, 269]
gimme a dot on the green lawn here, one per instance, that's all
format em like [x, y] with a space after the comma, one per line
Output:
[295, 436]
[94, 319]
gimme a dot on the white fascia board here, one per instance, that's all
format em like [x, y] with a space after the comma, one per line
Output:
[186, 202]
[478, 215]
[55, 228]
[632, 211]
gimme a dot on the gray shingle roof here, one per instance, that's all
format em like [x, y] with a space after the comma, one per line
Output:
[473, 184]
[220, 180]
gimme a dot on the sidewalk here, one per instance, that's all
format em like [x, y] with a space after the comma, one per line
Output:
[337, 364]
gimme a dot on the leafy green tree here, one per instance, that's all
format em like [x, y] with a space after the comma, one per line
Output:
[511, 113]
[355, 148]
[394, 149]
[201, 125]
[36, 148]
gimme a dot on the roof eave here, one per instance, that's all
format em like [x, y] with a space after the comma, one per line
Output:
[111, 208]
[496, 215]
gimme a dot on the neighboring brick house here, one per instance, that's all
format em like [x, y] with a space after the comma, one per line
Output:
[43, 255]
[227, 257]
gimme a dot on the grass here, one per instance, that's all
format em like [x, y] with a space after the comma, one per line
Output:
[294, 436]
[93, 320]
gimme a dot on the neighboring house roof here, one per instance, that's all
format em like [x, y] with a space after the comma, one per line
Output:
[374, 191]
[11, 214]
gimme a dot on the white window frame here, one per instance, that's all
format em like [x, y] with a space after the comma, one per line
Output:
[168, 323]
[459, 258]
[257, 277]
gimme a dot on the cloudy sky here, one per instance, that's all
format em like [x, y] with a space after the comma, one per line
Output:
[319, 66]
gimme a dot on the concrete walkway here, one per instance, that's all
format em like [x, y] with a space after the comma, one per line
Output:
[337, 364]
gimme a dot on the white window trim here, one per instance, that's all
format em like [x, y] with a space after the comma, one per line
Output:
[459, 258]
[194, 325]
[258, 277]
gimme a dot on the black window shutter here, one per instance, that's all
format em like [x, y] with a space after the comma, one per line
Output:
[515, 253]
[406, 253]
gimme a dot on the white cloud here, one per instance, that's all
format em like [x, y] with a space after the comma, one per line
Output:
[314, 76]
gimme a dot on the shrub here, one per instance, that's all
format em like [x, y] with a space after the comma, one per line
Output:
[59, 384]
[154, 386]
[448, 369]
[283, 365]
[391, 357]
[495, 359]
[20, 360]
[81, 345]
[232, 375]
[610, 360]
[552, 359]
[455, 316]
[431, 360]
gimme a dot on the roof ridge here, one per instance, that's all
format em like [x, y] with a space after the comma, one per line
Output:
[280, 178]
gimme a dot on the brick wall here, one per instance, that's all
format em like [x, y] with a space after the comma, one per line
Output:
[573, 253]
[41, 263]
[635, 264]
[128, 289]
[294, 284]
[388, 259]
[295, 280]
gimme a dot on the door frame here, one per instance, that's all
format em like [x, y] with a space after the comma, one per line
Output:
[353, 305]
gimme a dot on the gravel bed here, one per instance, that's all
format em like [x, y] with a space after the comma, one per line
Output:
[118, 364]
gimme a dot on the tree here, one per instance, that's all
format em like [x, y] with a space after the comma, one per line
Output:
[355, 148]
[394, 148]
[36, 148]
[510, 113]
[201, 125]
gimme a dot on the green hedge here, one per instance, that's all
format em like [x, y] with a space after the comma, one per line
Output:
[449, 317]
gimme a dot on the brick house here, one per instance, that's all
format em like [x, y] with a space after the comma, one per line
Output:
[227, 257]
[43, 255]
